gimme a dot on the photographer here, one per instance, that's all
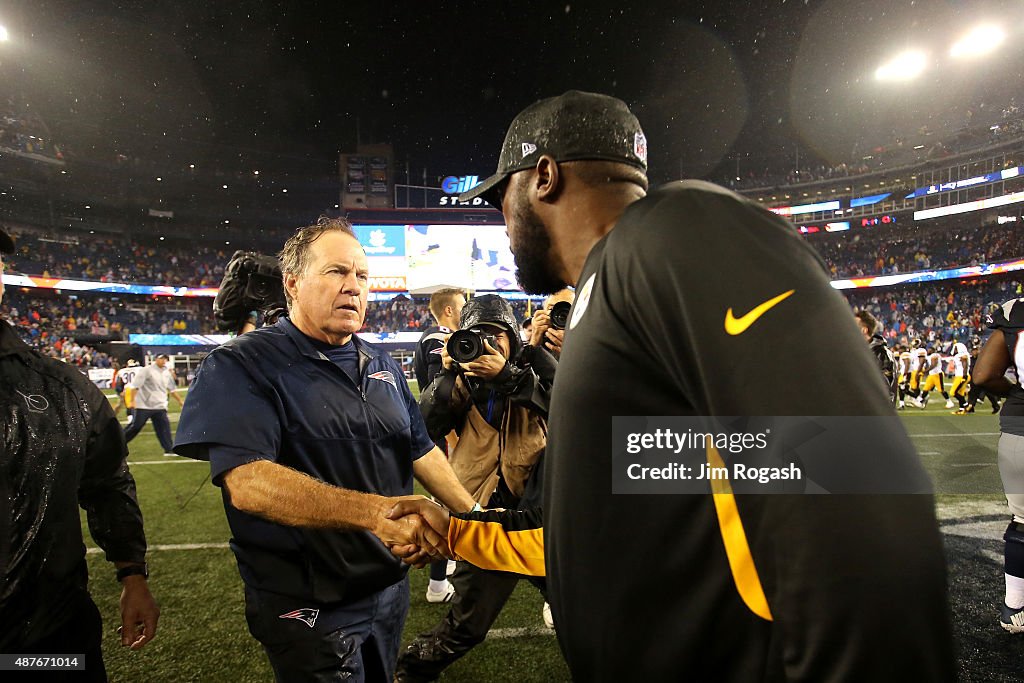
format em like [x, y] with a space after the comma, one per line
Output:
[252, 285]
[445, 307]
[497, 402]
[549, 322]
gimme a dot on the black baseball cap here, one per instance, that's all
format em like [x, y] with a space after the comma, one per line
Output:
[6, 243]
[571, 127]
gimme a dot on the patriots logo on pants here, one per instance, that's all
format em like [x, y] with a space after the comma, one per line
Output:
[306, 615]
[384, 376]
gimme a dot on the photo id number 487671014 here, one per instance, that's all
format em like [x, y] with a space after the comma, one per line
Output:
[41, 662]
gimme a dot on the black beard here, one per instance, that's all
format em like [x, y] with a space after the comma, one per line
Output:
[534, 256]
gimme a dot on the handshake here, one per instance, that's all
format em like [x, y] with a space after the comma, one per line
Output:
[415, 530]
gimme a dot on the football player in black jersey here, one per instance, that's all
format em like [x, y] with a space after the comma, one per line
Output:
[686, 299]
[1002, 352]
[977, 392]
[869, 328]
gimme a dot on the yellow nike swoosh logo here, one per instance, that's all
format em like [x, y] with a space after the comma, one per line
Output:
[736, 326]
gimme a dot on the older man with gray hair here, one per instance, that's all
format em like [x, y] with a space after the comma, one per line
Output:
[313, 435]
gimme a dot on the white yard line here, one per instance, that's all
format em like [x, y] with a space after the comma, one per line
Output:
[519, 632]
[173, 546]
[950, 513]
[168, 461]
[171, 417]
[925, 436]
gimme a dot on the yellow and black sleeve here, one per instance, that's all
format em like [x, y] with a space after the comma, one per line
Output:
[502, 540]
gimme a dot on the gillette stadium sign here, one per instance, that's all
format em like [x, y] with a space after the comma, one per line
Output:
[453, 186]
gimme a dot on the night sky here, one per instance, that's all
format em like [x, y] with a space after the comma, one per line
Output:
[287, 86]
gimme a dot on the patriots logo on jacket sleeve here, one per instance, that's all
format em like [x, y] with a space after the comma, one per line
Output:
[306, 615]
[384, 376]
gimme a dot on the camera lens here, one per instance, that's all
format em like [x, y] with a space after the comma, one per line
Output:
[560, 315]
[464, 346]
[259, 287]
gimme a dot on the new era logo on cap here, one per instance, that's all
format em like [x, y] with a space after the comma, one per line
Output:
[528, 149]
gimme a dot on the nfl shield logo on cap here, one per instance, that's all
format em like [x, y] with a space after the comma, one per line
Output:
[640, 146]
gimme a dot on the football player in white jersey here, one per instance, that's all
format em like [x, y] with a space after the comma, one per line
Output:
[903, 368]
[917, 358]
[961, 361]
[932, 371]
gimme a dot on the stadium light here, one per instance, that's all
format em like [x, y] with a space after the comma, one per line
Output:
[903, 67]
[3, 34]
[980, 41]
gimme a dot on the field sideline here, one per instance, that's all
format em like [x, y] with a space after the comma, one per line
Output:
[203, 636]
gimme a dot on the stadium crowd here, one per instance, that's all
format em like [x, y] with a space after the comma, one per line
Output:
[978, 127]
[107, 259]
[860, 253]
[23, 131]
[939, 311]
[887, 252]
[931, 311]
[44, 319]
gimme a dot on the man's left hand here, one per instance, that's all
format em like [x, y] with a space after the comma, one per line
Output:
[487, 366]
[553, 341]
[139, 613]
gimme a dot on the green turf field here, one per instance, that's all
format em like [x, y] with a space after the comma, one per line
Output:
[203, 636]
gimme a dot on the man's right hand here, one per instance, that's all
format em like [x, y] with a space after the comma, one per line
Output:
[411, 529]
[541, 324]
[438, 520]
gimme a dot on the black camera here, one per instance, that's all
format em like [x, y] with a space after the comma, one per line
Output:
[251, 282]
[265, 281]
[559, 315]
[468, 345]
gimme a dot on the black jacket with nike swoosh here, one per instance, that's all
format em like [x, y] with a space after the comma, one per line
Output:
[61, 447]
[702, 303]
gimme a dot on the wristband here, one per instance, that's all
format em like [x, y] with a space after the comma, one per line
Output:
[133, 570]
